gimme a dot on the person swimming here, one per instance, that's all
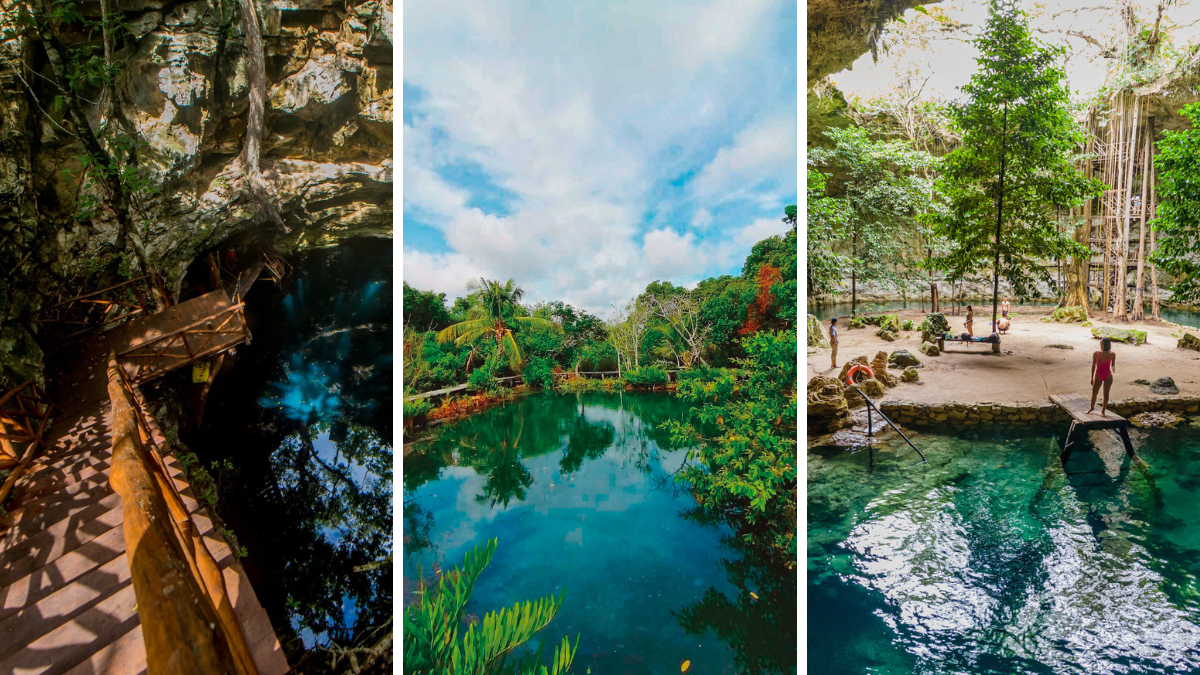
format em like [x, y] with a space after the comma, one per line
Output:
[1104, 366]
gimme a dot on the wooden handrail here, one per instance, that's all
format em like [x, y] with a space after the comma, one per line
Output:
[187, 619]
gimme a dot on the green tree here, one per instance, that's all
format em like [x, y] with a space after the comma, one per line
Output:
[827, 222]
[494, 316]
[425, 310]
[883, 189]
[744, 422]
[435, 642]
[1178, 166]
[1016, 163]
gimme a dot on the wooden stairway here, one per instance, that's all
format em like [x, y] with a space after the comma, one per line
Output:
[67, 604]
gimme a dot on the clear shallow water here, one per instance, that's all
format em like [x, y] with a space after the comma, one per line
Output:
[578, 490]
[992, 559]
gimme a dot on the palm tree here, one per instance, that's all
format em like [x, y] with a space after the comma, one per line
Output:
[495, 318]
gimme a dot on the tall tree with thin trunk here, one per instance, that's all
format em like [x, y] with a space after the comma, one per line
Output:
[1016, 164]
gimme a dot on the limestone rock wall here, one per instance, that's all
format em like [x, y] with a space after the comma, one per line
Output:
[181, 95]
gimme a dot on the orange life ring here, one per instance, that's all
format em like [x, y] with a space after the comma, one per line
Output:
[857, 368]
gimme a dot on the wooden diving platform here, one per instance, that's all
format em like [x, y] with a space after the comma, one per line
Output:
[1076, 406]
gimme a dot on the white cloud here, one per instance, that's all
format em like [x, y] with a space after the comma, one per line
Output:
[764, 151]
[758, 230]
[580, 125]
[442, 273]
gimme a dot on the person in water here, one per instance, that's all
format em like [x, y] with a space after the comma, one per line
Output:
[833, 341]
[1004, 308]
[970, 321]
[1104, 365]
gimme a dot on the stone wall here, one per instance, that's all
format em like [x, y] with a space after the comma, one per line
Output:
[179, 98]
[955, 414]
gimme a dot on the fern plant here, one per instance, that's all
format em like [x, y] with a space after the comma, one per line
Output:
[434, 641]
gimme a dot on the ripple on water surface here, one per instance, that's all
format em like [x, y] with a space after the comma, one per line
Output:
[578, 489]
[992, 558]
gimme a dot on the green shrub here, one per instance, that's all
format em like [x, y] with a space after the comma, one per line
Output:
[435, 641]
[856, 322]
[540, 373]
[744, 423]
[416, 411]
[646, 376]
[697, 373]
[481, 380]
[907, 324]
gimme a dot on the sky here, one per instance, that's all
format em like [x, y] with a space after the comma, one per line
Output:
[585, 149]
[945, 61]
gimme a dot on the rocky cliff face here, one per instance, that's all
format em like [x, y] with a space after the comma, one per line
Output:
[167, 98]
[840, 31]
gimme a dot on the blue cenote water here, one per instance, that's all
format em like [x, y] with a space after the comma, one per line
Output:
[579, 492]
[993, 558]
[297, 433]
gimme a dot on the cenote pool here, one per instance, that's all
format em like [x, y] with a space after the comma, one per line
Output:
[990, 558]
[297, 434]
[579, 491]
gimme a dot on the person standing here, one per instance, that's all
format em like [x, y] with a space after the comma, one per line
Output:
[1004, 308]
[1104, 366]
[833, 341]
[970, 321]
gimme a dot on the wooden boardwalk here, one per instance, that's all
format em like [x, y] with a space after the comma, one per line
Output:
[66, 598]
[67, 602]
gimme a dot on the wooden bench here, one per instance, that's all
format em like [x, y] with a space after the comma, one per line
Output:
[941, 343]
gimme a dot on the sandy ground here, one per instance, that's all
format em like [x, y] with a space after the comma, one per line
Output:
[1026, 369]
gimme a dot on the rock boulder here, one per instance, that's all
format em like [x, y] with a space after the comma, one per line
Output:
[902, 358]
[827, 407]
[1126, 335]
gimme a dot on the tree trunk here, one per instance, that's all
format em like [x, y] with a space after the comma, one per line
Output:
[999, 220]
[1123, 268]
[853, 275]
[1139, 301]
[251, 151]
[1153, 244]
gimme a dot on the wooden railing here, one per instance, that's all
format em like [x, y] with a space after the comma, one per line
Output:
[25, 414]
[187, 618]
[185, 345]
[92, 311]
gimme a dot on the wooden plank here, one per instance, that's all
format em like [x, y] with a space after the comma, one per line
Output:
[1076, 406]
[65, 603]
[39, 583]
[126, 655]
[75, 641]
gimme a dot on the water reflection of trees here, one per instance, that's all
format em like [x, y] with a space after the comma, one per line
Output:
[495, 442]
[758, 630]
[337, 494]
[306, 416]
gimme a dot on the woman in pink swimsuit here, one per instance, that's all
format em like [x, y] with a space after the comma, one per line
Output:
[1104, 364]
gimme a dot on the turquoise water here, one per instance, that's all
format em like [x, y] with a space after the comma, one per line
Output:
[991, 558]
[579, 491]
